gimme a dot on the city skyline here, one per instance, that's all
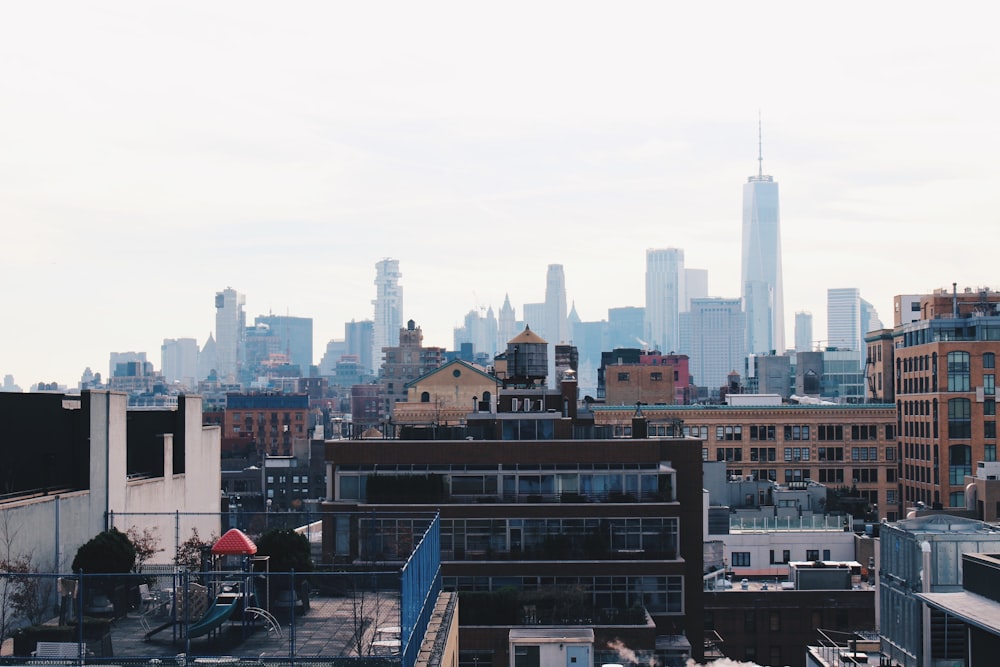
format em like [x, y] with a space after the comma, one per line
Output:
[156, 155]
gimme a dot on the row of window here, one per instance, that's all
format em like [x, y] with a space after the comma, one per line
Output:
[659, 595]
[791, 432]
[742, 558]
[733, 454]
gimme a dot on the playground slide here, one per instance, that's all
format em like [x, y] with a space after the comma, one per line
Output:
[218, 614]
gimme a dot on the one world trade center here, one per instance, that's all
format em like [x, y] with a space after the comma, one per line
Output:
[763, 302]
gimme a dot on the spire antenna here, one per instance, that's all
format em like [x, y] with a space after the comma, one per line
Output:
[760, 148]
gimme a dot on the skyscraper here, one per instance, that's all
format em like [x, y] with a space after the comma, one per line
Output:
[711, 334]
[803, 331]
[506, 324]
[843, 318]
[763, 299]
[665, 297]
[230, 326]
[388, 304]
[179, 361]
[295, 335]
[695, 286]
[556, 326]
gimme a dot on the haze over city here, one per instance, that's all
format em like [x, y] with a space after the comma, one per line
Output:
[154, 154]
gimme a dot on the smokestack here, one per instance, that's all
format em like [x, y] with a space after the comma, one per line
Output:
[954, 300]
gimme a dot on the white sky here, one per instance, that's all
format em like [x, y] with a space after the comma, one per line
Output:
[152, 154]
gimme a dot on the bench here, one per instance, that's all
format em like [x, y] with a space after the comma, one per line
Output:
[56, 650]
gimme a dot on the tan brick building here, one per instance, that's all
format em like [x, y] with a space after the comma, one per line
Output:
[839, 446]
[628, 384]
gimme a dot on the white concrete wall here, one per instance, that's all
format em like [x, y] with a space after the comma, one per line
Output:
[760, 544]
[40, 526]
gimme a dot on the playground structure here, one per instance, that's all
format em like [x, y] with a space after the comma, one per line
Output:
[190, 614]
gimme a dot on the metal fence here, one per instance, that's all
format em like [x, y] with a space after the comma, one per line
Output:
[230, 612]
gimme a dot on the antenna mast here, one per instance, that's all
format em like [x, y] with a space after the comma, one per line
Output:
[760, 148]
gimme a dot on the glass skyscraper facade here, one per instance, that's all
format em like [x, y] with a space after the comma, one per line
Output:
[763, 300]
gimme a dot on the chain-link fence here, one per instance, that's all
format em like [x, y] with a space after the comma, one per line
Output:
[232, 609]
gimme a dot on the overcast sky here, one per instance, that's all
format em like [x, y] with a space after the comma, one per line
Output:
[152, 154]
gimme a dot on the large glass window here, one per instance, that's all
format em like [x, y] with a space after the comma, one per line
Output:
[958, 371]
[959, 464]
[989, 386]
[959, 417]
[989, 360]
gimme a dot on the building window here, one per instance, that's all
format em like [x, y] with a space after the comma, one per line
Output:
[958, 371]
[989, 429]
[623, 377]
[656, 376]
[989, 360]
[425, 397]
[989, 387]
[989, 407]
[741, 559]
[989, 452]
[812, 554]
[959, 464]
[750, 621]
[959, 417]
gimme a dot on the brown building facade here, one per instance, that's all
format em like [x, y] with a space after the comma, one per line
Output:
[597, 533]
[852, 446]
[942, 371]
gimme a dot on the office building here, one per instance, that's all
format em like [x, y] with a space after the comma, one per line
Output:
[625, 328]
[919, 559]
[711, 335]
[695, 286]
[388, 304]
[179, 361]
[294, 336]
[761, 284]
[835, 445]
[666, 297]
[479, 329]
[943, 367]
[230, 329]
[803, 331]
[558, 535]
[358, 339]
[506, 324]
[555, 323]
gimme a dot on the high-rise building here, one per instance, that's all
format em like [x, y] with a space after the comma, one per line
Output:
[843, 318]
[480, 330]
[711, 334]
[556, 325]
[761, 266]
[803, 331]
[179, 361]
[117, 358]
[388, 304]
[405, 362]
[295, 336]
[358, 337]
[625, 327]
[870, 320]
[506, 324]
[695, 286]
[230, 329]
[665, 297]
[942, 369]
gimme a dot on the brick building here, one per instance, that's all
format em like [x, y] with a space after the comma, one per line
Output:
[851, 446]
[941, 372]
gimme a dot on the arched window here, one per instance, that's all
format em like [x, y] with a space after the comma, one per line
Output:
[959, 464]
[425, 397]
[487, 397]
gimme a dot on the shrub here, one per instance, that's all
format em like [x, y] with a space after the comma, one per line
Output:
[288, 550]
[110, 552]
